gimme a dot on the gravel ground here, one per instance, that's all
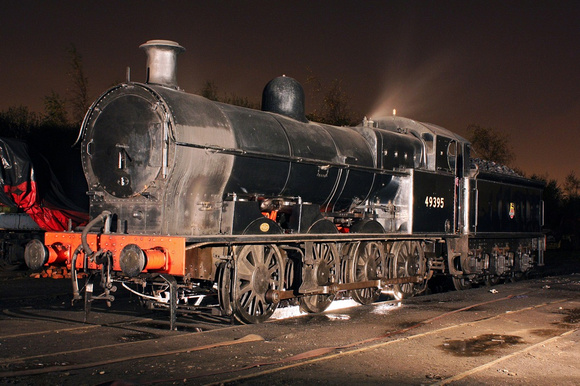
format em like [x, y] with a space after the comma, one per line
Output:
[517, 333]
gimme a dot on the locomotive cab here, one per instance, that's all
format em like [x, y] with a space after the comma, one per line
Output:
[424, 199]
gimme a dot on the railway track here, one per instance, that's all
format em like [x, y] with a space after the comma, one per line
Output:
[53, 347]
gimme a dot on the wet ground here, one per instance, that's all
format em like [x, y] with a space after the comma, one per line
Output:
[518, 333]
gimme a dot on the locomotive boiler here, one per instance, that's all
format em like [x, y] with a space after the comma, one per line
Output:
[189, 196]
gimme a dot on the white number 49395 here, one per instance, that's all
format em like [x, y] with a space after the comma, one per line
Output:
[434, 202]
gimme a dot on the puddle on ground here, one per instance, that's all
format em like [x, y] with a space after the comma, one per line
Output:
[137, 336]
[572, 316]
[409, 324]
[480, 345]
[546, 332]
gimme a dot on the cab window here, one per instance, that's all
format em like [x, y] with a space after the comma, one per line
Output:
[446, 157]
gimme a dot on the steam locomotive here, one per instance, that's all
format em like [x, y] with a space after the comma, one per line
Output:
[189, 196]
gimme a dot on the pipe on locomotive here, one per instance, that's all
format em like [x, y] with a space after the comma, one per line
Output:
[104, 216]
[73, 274]
[162, 62]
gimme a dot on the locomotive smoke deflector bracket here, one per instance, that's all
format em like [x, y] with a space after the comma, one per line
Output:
[162, 62]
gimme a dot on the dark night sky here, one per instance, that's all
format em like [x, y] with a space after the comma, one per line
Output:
[510, 65]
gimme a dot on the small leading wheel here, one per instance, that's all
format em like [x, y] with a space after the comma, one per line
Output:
[258, 269]
[315, 303]
[461, 283]
[516, 276]
[408, 260]
[323, 272]
[366, 264]
[491, 280]
[225, 288]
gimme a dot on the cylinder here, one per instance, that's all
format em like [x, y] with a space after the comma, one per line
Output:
[155, 259]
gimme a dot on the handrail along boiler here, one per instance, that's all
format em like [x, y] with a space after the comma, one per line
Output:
[190, 196]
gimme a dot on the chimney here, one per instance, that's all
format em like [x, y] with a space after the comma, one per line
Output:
[162, 62]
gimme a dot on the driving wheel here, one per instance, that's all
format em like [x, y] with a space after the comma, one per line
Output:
[408, 260]
[323, 272]
[258, 269]
[366, 264]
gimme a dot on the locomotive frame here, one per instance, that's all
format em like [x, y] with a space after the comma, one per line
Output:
[190, 197]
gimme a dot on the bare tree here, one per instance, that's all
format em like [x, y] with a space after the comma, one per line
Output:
[491, 145]
[18, 122]
[55, 110]
[336, 105]
[79, 94]
[210, 91]
[334, 109]
[572, 186]
[235, 100]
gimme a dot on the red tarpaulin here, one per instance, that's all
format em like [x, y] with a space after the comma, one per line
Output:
[28, 183]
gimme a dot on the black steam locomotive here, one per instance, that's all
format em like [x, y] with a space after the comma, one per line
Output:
[190, 196]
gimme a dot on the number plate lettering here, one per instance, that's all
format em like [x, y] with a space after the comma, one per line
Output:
[434, 202]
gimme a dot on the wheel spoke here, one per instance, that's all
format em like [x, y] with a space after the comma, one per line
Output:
[259, 255]
[268, 259]
[327, 256]
[246, 299]
[245, 287]
[245, 267]
[254, 307]
[272, 271]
